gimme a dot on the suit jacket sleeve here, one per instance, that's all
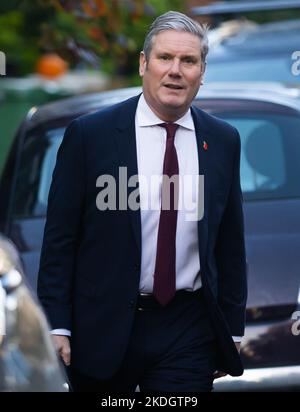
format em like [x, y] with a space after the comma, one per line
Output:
[230, 254]
[62, 229]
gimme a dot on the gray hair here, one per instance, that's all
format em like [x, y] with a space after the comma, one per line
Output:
[173, 20]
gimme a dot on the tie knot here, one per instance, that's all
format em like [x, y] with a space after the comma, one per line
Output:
[171, 129]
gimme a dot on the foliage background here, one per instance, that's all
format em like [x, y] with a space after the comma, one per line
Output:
[105, 35]
[98, 34]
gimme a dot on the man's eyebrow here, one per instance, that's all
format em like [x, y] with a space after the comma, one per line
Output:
[184, 56]
[164, 52]
[189, 56]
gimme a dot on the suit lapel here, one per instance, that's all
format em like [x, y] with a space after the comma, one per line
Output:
[204, 144]
[126, 143]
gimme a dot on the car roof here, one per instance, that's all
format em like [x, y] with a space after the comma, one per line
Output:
[264, 92]
[280, 37]
[222, 7]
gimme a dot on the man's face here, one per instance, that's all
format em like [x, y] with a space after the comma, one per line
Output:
[173, 73]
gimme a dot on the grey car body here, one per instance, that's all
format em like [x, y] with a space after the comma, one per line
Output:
[266, 52]
[244, 6]
[268, 120]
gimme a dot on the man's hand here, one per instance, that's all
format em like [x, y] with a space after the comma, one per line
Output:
[220, 374]
[62, 346]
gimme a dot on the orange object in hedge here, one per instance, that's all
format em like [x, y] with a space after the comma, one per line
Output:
[51, 65]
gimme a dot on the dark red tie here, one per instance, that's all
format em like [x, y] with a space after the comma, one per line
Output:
[164, 286]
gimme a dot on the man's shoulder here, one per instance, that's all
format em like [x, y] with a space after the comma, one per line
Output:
[213, 123]
[107, 116]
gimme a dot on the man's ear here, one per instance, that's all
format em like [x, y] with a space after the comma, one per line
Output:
[143, 64]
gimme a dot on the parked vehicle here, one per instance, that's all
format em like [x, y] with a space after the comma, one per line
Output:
[266, 52]
[241, 6]
[268, 120]
[28, 362]
[243, 50]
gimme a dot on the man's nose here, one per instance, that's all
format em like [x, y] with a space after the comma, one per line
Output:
[175, 68]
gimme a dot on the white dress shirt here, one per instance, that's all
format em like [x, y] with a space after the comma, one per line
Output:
[151, 144]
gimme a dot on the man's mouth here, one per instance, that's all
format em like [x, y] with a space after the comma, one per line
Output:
[173, 86]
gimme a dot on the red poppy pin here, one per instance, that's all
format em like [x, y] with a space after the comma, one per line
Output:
[205, 145]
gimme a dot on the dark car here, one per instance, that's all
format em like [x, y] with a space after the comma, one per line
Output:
[269, 124]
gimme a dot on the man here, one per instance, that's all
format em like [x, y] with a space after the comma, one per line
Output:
[142, 295]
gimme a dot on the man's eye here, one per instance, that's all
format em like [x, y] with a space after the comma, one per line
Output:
[189, 60]
[164, 57]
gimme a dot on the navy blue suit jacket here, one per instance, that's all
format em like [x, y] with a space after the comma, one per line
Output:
[90, 262]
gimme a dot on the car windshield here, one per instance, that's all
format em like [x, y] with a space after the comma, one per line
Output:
[270, 166]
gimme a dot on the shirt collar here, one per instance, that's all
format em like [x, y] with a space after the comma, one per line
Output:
[146, 117]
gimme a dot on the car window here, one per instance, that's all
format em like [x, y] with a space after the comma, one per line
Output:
[270, 151]
[262, 154]
[270, 68]
[35, 173]
[270, 145]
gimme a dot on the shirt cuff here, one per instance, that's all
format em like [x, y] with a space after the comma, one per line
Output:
[237, 339]
[62, 332]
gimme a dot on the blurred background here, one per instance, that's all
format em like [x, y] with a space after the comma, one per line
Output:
[56, 49]
[59, 48]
